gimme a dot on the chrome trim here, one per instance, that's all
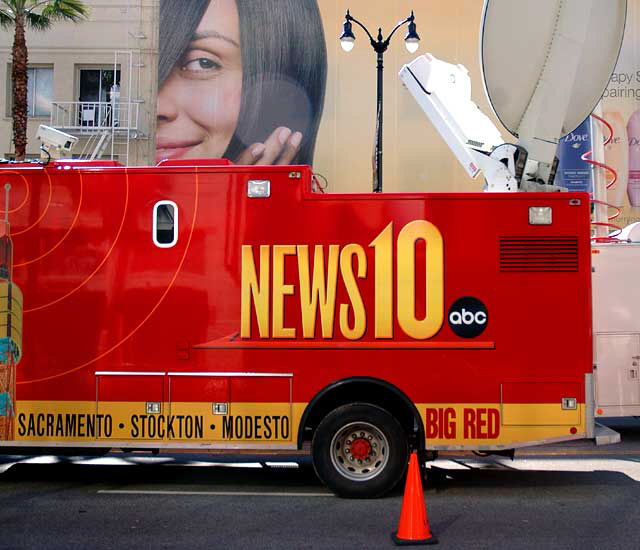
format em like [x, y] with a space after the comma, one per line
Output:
[236, 374]
[127, 373]
[590, 405]
[220, 409]
[151, 405]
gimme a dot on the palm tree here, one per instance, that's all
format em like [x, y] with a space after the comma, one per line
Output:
[37, 15]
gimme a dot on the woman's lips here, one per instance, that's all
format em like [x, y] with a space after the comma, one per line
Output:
[173, 149]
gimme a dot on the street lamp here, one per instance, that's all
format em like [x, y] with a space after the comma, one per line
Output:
[380, 45]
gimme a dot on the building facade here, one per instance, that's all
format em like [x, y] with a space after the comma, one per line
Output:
[95, 80]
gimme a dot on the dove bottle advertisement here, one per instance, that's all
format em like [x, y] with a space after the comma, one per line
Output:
[573, 172]
[616, 155]
[633, 130]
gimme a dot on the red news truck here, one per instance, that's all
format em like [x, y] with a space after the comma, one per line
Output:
[200, 305]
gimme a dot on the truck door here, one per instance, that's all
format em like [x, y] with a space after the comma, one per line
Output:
[135, 402]
[242, 407]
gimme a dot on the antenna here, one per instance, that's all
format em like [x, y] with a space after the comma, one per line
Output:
[6, 246]
[7, 188]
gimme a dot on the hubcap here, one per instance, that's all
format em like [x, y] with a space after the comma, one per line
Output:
[359, 451]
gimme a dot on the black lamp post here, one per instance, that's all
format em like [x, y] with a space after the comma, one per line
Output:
[380, 45]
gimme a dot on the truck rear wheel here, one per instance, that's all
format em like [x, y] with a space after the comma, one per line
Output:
[359, 451]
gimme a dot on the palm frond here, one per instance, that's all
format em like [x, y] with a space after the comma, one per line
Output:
[12, 6]
[6, 18]
[37, 21]
[67, 10]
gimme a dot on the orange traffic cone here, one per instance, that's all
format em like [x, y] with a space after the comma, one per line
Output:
[414, 526]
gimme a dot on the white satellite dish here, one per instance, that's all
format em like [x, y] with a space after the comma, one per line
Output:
[546, 63]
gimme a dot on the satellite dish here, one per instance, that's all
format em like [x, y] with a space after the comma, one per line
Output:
[546, 63]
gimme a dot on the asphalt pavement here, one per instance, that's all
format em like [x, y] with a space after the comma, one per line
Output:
[570, 496]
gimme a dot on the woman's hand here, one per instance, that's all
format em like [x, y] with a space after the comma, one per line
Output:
[280, 147]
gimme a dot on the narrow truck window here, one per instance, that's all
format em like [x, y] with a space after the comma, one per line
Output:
[165, 224]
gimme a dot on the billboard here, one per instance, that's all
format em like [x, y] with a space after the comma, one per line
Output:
[621, 110]
[267, 82]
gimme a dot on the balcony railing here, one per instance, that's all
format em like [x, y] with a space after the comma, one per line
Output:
[89, 117]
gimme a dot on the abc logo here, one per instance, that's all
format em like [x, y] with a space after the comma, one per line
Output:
[468, 317]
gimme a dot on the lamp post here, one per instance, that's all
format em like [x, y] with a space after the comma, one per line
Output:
[380, 45]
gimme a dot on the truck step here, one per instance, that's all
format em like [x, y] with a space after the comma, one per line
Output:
[605, 435]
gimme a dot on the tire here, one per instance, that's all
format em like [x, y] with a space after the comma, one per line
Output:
[366, 466]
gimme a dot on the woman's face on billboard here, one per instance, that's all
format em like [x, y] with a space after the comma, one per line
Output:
[199, 103]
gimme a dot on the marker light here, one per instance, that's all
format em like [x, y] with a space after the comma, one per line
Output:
[259, 189]
[540, 215]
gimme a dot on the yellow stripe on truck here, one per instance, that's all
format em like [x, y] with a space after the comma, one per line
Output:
[463, 426]
[481, 425]
[272, 423]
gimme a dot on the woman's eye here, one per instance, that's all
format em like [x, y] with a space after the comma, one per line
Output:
[200, 65]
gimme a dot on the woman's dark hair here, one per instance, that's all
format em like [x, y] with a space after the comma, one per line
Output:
[284, 66]
[178, 23]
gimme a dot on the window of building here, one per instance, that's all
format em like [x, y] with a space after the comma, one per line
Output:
[39, 91]
[96, 84]
[96, 92]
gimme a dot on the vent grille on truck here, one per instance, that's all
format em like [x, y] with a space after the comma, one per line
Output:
[550, 254]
